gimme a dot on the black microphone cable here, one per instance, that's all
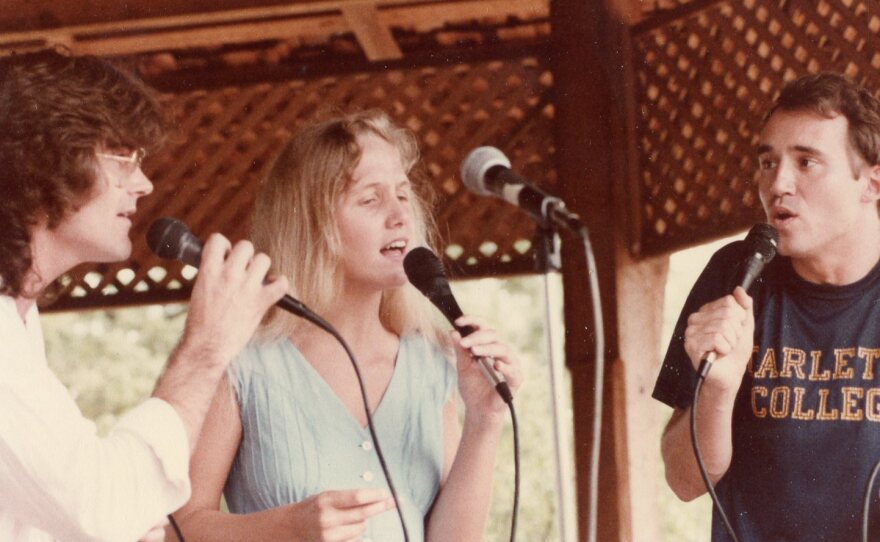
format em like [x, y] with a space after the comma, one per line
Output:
[425, 271]
[176, 527]
[169, 238]
[705, 365]
[866, 504]
[516, 472]
[318, 321]
[761, 244]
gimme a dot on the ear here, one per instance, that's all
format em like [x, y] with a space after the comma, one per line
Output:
[871, 192]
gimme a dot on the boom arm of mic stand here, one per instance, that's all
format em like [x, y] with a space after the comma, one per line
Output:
[558, 215]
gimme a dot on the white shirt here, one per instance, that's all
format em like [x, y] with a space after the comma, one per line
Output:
[58, 479]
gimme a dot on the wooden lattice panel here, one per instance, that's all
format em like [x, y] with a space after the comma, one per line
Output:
[225, 140]
[704, 82]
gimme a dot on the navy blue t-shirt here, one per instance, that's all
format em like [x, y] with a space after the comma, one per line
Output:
[806, 422]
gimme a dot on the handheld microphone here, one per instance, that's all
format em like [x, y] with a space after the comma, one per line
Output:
[760, 246]
[425, 271]
[170, 239]
[486, 171]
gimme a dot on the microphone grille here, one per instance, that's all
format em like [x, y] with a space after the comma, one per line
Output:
[477, 163]
[762, 239]
[164, 237]
[423, 268]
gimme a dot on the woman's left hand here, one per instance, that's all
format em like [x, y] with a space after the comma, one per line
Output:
[479, 396]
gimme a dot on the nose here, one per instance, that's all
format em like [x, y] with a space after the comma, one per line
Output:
[139, 185]
[781, 180]
[398, 212]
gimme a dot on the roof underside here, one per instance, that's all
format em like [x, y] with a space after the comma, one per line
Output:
[460, 74]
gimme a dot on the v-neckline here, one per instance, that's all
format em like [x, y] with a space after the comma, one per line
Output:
[316, 376]
[26, 323]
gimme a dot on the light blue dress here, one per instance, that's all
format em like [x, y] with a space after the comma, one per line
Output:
[299, 439]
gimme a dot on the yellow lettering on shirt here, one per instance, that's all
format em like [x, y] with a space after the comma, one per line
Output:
[850, 410]
[798, 412]
[824, 413]
[793, 358]
[842, 357]
[779, 399]
[815, 375]
[756, 410]
[870, 355]
[768, 365]
[872, 405]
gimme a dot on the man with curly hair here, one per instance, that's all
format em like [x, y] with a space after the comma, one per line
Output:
[73, 132]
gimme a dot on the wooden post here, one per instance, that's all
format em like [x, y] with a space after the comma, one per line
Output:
[597, 165]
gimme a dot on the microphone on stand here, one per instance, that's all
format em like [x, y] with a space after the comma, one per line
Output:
[170, 239]
[486, 171]
[425, 271]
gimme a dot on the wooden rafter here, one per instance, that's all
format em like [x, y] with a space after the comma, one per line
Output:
[369, 21]
[375, 38]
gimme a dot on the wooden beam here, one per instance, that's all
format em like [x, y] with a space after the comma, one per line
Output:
[629, 12]
[275, 22]
[668, 17]
[205, 37]
[293, 9]
[375, 38]
[640, 298]
[594, 120]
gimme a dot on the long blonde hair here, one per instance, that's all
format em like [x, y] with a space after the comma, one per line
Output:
[295, 221]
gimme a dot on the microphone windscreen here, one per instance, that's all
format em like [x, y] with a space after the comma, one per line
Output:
[425, 271]
[762, 239]
[423, 268]
[169, 238]
[477, 164]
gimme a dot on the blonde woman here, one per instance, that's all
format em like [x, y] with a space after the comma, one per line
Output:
[286, 439]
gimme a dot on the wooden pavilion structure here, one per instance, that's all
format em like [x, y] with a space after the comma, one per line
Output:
[641, 115]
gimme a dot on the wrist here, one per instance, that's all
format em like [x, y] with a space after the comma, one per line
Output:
[489, 423]
[196, 351]
[719, 392]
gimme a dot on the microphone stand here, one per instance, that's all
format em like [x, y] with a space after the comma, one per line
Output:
[547, 260]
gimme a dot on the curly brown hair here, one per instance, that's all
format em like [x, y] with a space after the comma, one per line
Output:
[832, 94]
[55, 112]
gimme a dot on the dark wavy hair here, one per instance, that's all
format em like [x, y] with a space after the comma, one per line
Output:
[55, 112]
[831, 94]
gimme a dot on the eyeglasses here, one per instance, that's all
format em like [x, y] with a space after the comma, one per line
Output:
[130, 163]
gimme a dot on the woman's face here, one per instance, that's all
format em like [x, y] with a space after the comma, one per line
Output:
[375, 218]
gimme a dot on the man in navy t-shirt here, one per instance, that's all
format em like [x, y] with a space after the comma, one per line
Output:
[789, 416]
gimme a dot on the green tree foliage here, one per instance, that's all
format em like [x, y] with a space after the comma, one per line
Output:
[110, 360]
[515, 307]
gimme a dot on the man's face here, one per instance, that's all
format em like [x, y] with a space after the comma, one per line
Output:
[814, 188]
[98, 231]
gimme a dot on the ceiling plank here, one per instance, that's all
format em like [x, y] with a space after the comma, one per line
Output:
[277, 22]
[193, 15]
[209, 36]
[375, 38]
